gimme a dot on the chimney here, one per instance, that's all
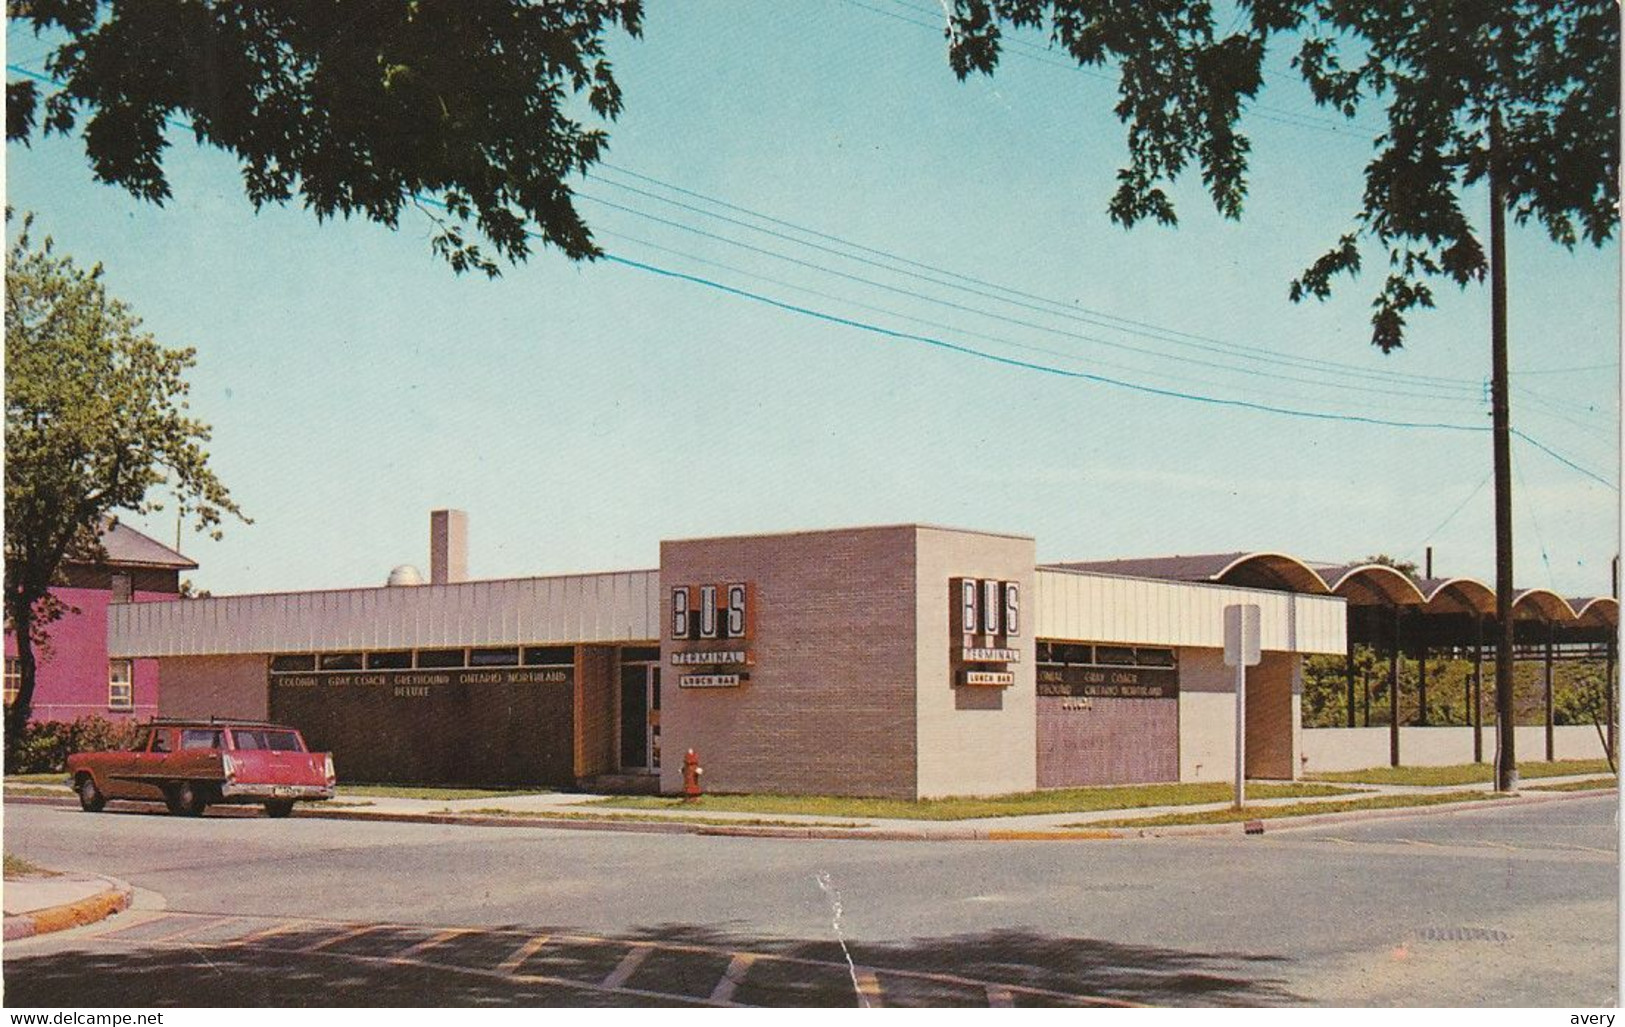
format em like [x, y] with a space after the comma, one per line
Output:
[448, 546]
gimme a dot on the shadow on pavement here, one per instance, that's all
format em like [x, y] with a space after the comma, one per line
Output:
[349, 969]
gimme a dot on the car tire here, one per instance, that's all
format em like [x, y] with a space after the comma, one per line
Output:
[91, 799]
[278, 808]
[185, 799]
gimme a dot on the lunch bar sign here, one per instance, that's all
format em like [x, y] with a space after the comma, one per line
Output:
[713, 624]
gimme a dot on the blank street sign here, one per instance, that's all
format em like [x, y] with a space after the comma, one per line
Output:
[1241, 635]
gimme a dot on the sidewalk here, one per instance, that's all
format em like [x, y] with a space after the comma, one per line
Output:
[45, 902]
[560, 809]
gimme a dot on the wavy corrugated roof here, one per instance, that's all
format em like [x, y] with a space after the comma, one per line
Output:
[1362, 584]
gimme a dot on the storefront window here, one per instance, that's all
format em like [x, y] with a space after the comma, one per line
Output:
[340, 661]
[1114, 655]
[493, 657]
[300, 664]
[440, 657]
[550, 656]
[1154, 657]
[401, 660]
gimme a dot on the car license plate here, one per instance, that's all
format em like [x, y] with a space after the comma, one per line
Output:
[283, 791]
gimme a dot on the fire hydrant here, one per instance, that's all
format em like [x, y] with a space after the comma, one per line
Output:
[691, 776]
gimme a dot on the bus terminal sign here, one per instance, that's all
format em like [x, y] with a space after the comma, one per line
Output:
[711, 626]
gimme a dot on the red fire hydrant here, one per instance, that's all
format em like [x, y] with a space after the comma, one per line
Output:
[691, 776]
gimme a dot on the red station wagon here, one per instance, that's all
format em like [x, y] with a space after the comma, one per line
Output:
[192, 764]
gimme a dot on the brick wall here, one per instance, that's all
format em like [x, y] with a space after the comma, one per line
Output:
[829, 707]
[71, 675]
[1115, 741]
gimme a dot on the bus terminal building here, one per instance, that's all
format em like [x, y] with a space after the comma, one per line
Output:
[906, 661]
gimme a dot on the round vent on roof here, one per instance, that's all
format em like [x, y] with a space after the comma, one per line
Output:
[405, 574]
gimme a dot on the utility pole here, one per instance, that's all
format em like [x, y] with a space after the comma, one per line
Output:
[1506, 763]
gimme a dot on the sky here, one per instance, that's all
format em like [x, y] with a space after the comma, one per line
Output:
[852, 290]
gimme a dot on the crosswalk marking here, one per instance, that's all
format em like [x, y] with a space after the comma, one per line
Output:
[522, 953]
[269, 932]
[405, 955]
[626, 968]
[731, 978]
[317, 946]
[868, 987]
[423, 953]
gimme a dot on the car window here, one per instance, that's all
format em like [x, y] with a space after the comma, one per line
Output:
[278, 741]
[142, 738]
[202, 738]
[162, 741]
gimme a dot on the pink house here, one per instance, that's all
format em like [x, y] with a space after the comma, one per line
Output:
[76, 678]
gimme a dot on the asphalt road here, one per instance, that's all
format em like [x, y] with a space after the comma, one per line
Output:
[1514, 906]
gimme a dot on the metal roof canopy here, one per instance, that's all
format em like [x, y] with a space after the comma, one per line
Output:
[1432, 611]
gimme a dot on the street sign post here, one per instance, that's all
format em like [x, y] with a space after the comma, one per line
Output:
[1241, 651]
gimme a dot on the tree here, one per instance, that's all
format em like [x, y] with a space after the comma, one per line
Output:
[1442, 70]
[96, 420]
[1520, 95]
[358, 108]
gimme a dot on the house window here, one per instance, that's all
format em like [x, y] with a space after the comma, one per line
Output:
[120, 685]
[14, 678]
[123, 588]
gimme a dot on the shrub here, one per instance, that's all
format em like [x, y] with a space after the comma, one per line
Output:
[45, 745]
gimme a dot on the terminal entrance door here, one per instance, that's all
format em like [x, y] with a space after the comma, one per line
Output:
[640, 717]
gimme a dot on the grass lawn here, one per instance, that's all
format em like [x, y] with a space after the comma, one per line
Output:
[1297, 809]
[16, 866]
[1459, 773]
[1062, 800]
[36, 790]
[1577, 786]
[349, 791]
[53, 778]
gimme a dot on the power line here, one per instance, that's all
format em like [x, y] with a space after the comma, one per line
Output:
[847, 301]
[1529, 506]
[1452, 515]
[1030, 365]
[1565, 461]
[1072, 311]
[1101, 319]
[1001, 318]
[1569, 370]
[970, 351]
[1319, 415]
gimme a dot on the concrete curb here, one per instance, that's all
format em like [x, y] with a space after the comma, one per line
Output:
[891, 834]
[115, 898]
[1307, 820]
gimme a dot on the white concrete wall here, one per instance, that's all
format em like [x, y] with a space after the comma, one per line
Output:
[1207, 716]
[1357, 748]
[972, 740]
